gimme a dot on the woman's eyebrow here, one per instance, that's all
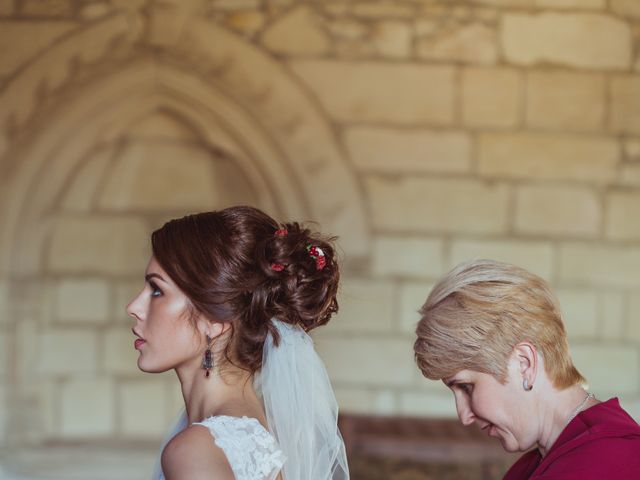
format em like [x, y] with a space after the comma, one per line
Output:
[149, 276]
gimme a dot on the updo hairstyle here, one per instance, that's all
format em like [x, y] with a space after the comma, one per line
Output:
[239, 266]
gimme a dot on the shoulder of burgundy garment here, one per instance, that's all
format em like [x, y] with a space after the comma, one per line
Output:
[600, 442]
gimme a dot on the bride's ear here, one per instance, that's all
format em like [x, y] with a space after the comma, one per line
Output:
[212, 329]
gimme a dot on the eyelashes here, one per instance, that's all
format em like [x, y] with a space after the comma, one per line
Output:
[155, 291]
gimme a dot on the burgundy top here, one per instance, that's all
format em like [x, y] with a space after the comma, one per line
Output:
[600, 442]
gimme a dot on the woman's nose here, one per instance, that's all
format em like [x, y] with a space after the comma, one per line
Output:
[133, 309]
[465, 414]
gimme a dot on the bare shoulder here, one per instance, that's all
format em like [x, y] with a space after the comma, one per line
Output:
[192, 454]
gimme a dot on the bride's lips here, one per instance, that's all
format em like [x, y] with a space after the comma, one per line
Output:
[139, 341]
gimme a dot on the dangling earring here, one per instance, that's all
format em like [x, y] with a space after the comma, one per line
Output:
[207, 361]
[526, 386]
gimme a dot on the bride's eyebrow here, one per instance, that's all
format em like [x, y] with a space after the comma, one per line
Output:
[149, 276]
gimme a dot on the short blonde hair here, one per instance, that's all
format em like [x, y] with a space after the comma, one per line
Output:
[477, 314]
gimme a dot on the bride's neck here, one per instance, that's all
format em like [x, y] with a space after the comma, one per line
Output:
[206, 396]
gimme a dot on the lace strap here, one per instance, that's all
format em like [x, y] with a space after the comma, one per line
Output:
[251, 450]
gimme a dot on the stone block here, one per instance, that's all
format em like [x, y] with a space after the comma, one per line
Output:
[625, 104]
[79, 195]
[491, 97]
[416, 204]
[557, 210]
[47, 8]
[246, 21]
[602, 265]
[392, 39]
[357, 360]
[612, 313]
[365, 306]
[117, 245]
[630, 175]
[298, 32]
[412, 298]
[408, 257]
[347, 92]
[507, 3]
[67, 351]
[88, 408]
[82, 300]
[537, 257]
[632, 149]
[579, 307]
[571, 4]
[548, 156]
[346, 28]
[162, 176]
[142, 408]
[21, 41]
[584, 40]
[632, 321]
[474, 43]
[622, 219]
[119, 355]
[626, 8]
[432, 405]
[6, 7]
[610, 369]
[391, 150]
[565, 101]
[383, 9]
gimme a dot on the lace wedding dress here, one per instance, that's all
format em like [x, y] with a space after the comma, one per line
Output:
[252, 452]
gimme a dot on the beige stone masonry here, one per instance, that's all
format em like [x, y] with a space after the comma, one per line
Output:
[6, 7]
[570, 4]
[98, 244]
[87, 408]
[630, 8]
[356, 360]
[408, 257]
[623, 215]
[436, 405]
[186, 174]
[507, 3]
[548, 156]
[612, 311]
[349, 94]
[625, 104]
[557, 211]
[297, 33]
[366, 400]
[365, 305]
[586, 40]
[412, 297]
[565, 101]
[19, 42]
[119, 355]
[143, 408]
[382, 9]
[474, 43]
[630, 175]
[535, 256]
[392, 39]
[394, 150]
[632, 330]
[67, 352]
[604, 265]
[247, 21]
[47, 8]
[85, 300]
[491, 97]
[437, 205]
[609, 369]
[579, 307]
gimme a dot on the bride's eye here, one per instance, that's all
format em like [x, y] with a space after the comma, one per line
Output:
[155, 291]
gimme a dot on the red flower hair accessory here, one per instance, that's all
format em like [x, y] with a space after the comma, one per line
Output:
[281, 232]
[278, 267]
[318, 255]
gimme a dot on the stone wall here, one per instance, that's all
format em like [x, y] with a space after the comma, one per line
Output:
[423, 132]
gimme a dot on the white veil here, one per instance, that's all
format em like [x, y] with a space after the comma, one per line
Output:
[301, 408]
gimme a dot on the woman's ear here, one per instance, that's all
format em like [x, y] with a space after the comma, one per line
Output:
[212, 329]
[526, 356]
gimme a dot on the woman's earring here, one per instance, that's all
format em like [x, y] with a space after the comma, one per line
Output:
[207, 361]
[526, 386]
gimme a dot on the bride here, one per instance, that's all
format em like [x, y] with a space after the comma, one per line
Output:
[228, 300]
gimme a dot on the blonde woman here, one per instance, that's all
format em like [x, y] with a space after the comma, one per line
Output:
[493, 333]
